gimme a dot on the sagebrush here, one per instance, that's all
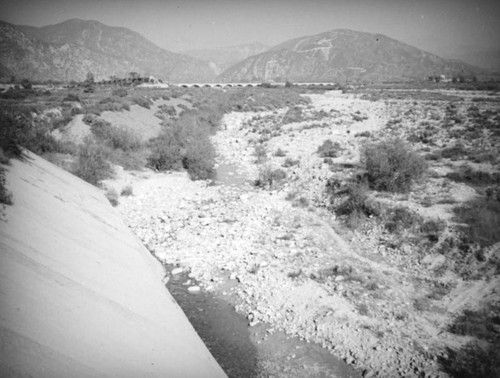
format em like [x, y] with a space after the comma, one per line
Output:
[391, 165]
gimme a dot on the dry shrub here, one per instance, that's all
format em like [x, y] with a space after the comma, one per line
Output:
[391, 165]
[270, 178]
[329, 149]
[5, 195]
[127, 191]
[185, 144]
[481, 220]
[260, 154]
[92, 163]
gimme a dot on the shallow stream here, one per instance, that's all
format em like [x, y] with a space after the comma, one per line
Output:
[245, 351]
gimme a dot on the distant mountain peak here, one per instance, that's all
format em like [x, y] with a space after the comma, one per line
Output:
[344, 55]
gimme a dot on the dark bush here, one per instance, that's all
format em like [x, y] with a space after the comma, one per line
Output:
[356, 200]
[454, 152]
[166, 151]
[289, 162]
[5, 195]
[329, 149]
[71, 97]
[474, 360]
[480, 357]
[142, 101]
[468, 175]
[18, 130]
[391, 165]
[399, 218]
[481, 220]
[119, 92]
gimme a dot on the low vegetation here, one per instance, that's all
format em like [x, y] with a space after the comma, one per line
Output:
[391, 165]
[480, 220]
[185, 144]
[329, 149]
[92, 162]
[5, 194]
[270, 178]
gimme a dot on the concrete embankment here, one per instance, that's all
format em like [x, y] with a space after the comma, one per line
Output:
[79, 295]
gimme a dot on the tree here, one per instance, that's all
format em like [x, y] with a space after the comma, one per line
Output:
[89, 83]
[90, 78]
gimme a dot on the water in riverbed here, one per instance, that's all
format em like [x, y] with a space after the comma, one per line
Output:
[244, 351]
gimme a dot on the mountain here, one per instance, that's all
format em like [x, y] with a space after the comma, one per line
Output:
[344, 55]
[67, 51]
[225, 57]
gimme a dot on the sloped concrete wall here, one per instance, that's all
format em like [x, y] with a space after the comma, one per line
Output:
[79, 295]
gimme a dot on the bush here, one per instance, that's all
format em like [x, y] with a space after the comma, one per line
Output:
[119, 92]
[289, 162]
[5, 195]
[454, 152]
[142, 101]
[166, 152]
[260, 154]
[127, 191]
[13, 130]
[468, 175]
[351, 201]
[399, 218]
[329, 149]
[474, 360]
[115, 137]
[270, 178]
[112, 196]
[17, 130]
[293, 115]
[391, 165]
[184, 144]
[481, 218]
[92, 163]
[480, 357]
[72, 97]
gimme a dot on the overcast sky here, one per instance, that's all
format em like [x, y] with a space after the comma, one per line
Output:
[445, 27]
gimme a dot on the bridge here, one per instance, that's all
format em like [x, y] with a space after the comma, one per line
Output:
[247, 85]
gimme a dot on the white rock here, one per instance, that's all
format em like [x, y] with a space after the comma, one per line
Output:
[194, 289]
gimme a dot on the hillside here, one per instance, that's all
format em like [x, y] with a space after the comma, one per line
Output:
[67, 51]
[344, 55]
[225, 57]
[81, 297]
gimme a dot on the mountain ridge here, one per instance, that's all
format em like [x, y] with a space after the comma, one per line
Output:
[68, 50]
[345, 55]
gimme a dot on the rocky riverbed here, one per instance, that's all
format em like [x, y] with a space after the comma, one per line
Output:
[281, 259]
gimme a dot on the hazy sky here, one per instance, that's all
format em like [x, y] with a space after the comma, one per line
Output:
[444, 27]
